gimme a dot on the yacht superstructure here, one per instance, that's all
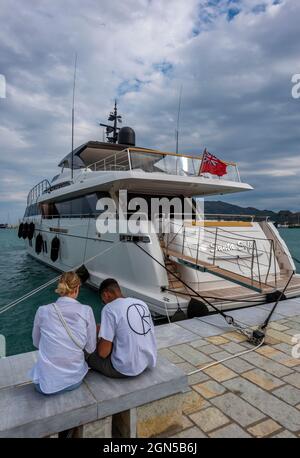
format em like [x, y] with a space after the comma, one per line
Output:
[233, 260]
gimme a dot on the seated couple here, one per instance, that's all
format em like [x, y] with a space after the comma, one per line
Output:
[69, 341]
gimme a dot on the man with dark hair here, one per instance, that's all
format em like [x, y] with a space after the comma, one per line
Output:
[126, 341]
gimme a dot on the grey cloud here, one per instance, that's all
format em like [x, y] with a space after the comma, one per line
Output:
[236, 80]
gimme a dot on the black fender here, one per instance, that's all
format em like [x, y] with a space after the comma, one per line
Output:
[20, 230]
[38, 244]
[31, 231]
[55, 245]
[25, 230]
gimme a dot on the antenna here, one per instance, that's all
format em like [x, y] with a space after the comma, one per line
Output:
[113, 116]
[73, 107]
[178, 115]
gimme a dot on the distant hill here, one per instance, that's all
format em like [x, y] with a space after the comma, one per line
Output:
[283, 216]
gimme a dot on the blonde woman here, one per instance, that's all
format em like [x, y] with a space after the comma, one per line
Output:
[63, 332]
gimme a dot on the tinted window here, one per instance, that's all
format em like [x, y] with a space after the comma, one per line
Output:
[32, 210]
[83, 206]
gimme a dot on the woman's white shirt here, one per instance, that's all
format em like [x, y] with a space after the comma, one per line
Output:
[60, 361]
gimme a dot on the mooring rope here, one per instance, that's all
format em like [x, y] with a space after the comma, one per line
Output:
[215, 363]
[50, 282]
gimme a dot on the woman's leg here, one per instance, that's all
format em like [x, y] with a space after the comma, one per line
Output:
[69, 388]
[38, 388]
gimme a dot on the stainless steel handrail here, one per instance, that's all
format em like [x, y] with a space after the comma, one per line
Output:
[37, 191]
[102, 164]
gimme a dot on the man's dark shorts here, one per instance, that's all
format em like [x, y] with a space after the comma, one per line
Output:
[103, 365]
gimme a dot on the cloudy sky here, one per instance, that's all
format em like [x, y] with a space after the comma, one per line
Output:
[234, 59]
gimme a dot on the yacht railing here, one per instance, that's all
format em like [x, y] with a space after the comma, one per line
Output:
[205, 239]
[37, 191]
[234, 217]
[157, 161]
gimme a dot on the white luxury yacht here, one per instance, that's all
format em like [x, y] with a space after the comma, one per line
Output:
[230, 260]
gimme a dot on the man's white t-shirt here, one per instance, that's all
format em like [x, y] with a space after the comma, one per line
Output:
[128, 324]
[60, 362]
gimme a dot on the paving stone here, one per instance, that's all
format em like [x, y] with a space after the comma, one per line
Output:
[233, 348]
[231, 431]
[284, 320]
[247, 345]
[209, 389]
[265, 428]
[209, 349]
[269, 404]
[286, 361]
[236, 364]
[196, 326]
[186, 422]
[252, 316]
[170, 355]
[217, 321]
[234, 336]
[267, 364]
[271, 340]
[278, 326]
[192, 402]
[293, 379]
[292, 332]
[263, 379]
[293, 325]
[209, 419]
[191, 433]
[287, 308]
[186, 367]
[288, 394]
[172, 334]
[198, 377]
[285, 435]
[284, 347]
[191, 355]
[220, 373]
[279, 335]
[217, 340]
[221, 355]
[237, 409]
[198, 343]
[267, 350]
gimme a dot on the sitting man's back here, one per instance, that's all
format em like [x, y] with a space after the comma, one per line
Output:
[127, 343]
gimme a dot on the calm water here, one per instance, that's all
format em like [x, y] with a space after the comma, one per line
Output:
[20, 274]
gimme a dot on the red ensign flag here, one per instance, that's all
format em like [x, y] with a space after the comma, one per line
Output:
[211, 164]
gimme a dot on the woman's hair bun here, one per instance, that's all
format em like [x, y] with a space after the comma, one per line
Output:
[67, 283]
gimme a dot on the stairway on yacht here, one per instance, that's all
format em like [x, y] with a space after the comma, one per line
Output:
[246, 289]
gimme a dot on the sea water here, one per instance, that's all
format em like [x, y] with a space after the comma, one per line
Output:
[20, 274]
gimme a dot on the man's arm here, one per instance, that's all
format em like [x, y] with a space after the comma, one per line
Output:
[104, 348]
[106, 333]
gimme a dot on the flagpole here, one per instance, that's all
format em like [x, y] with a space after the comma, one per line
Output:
[203, 156]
